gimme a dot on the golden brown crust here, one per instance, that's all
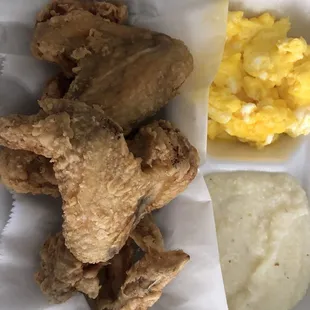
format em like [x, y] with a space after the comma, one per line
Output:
[148, 70]
[61, 274]
[46, 135]
[123, 283]
[105, 192]
[100, 181]
[146, 280]
[147, 235]
[57, 38]
[25, 172]
[113, 12]
[56, 87]
[111, 63]
[57, 261]
[167, 158]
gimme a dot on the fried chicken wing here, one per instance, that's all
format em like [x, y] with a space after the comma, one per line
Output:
[146, 280]
[104, 190]
[26, 172]
[61, 274]
[129, 72]
[92, 174]
[131, 81]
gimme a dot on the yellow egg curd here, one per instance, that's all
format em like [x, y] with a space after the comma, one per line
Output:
[262, 88]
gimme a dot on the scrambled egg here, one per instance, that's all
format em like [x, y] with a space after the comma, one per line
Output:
[262, 88]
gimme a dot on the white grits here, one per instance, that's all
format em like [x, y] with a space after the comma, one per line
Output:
[263, 230]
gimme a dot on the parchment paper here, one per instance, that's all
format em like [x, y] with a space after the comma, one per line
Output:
[187, 222]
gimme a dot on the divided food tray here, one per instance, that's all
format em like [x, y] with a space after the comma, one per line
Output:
[286, 155]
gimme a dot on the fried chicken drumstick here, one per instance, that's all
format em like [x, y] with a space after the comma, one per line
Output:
[105, 189]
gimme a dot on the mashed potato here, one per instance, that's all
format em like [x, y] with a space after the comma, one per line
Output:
[263, 229]
[262, 88]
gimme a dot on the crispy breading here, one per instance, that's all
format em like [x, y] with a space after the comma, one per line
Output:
[129, 72]
[113, 12]
[61, 274]
[76, 35]
[25, 172]
[167, 157]
[56, 87]
[57, 38]
[146, 280]
[157, 143]
[147, 235]
[46, 135]
[104, 190]
[114, 274]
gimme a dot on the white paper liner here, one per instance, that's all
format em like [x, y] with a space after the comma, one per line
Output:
[32, 220]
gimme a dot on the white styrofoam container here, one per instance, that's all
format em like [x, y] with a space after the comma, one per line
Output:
[287, 154]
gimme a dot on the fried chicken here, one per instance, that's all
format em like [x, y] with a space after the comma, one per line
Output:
[147, 235]
[167, 158]
[61, 274]
[105, 190]
[129, 72]
[146, 280]
[46, 135]
[113, 12]
[26, 172]
[144, 145]
[114, 274]
[57, 87]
